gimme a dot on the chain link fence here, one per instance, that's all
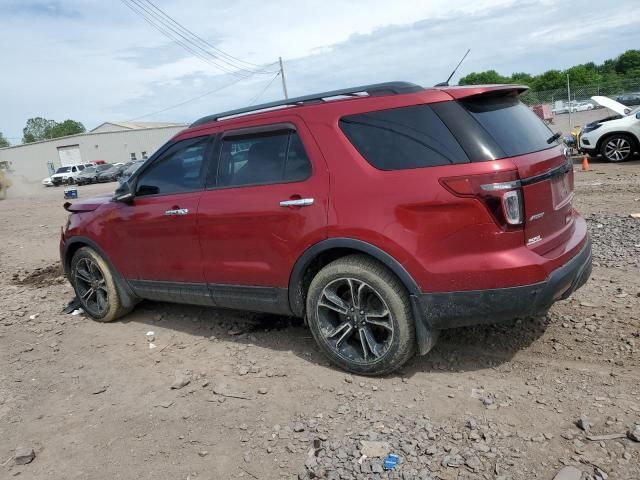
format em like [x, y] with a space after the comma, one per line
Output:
[568, 113]
[560, 97]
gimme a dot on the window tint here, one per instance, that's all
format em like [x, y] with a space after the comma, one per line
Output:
[262, 159]
[408, 137]
[515, 128]
[180, 169]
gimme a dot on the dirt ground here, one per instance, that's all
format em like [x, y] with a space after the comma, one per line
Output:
[94, 401]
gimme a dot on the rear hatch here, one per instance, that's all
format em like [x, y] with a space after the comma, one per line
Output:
[496, 125]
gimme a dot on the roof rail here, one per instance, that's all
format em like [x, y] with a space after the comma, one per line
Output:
[388, 88]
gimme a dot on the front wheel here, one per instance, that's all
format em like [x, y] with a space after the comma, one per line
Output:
[95, 286]
[617, 148]
[360, 315]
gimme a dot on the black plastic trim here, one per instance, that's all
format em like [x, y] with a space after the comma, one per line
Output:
[296, 296]
[237, 297]
[259, 130]
[560, 169]
[465, 308]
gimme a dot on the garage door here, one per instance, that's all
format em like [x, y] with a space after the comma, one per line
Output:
[69, 155]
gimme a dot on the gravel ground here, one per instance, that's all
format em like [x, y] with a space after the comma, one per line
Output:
[253, 397]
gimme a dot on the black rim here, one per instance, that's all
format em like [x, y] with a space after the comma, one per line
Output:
[355, 321]
[91, 287]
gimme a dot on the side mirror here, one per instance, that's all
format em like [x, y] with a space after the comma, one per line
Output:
[123, 194]
[638, 115]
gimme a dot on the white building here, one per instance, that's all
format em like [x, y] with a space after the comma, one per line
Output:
[112, 142]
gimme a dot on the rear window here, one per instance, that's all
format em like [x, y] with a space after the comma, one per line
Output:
[403, 138]
[513, 127]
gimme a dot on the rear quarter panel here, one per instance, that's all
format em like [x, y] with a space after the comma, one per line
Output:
[445, 242]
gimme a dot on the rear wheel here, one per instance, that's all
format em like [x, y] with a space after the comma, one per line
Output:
[617, 148]
[360, 315]
[95, 286]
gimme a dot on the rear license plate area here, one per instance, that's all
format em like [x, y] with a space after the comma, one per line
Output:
[561, 192]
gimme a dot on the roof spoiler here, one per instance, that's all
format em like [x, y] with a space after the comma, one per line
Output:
[477, 90]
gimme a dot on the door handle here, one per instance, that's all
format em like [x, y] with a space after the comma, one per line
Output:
[298, 202]
[177, 211]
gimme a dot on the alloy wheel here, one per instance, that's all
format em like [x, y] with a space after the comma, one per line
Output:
[355, 321]
[91, 287]
[617, 149]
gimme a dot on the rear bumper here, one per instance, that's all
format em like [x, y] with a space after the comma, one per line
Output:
[463, 308]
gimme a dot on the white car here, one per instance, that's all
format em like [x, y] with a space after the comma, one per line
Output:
[616, 137]
[573, 106]
[582, 107]
[47, 182]
[68, 174]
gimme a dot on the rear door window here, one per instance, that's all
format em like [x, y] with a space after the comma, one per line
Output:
[261, 159]
[403, 138]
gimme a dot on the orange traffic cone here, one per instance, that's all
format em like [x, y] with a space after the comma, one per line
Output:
[585, 164]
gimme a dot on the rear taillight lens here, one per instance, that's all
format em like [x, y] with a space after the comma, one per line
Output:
[500, 193]
[512, 207]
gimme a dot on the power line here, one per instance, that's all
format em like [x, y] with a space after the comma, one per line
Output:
[203, 41]
[255, 99]
[136, 9]
[184, 37]
[189, 100]
[153, 16]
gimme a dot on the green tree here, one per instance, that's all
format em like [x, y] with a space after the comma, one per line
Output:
[628, 61]
[521, 78]
[490, 76]
[39, 128]
[583, 75]
[68, 127]
[3, 141]
[549, 80]
[35, 130]
[608, 66]
[611, 75]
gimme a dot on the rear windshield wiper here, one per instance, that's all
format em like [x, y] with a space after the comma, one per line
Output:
[554, 137]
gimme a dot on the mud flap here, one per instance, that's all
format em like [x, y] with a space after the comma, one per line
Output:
[426, 336]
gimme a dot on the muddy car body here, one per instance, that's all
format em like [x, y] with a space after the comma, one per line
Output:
[381, 218]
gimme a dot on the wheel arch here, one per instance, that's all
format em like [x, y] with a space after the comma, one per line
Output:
[74, 244]
[321, 253]
[608, 135]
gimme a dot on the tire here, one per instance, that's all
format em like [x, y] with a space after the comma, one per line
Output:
[343, 331]
[618, 147]
[89, 271]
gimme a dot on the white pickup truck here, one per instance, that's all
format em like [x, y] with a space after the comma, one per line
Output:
[67, 174]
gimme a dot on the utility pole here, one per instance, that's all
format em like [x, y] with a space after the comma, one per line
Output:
[284, 80]
[569, 95]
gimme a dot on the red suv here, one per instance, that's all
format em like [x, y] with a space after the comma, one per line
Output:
[381, 214]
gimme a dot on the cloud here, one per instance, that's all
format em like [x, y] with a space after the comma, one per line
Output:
[95, 61]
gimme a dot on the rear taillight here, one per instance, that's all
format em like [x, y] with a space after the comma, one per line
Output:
[500, 193]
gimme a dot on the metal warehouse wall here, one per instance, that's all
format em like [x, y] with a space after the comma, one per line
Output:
[30, 161]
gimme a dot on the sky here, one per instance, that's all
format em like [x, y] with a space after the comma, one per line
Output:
[96, 60]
